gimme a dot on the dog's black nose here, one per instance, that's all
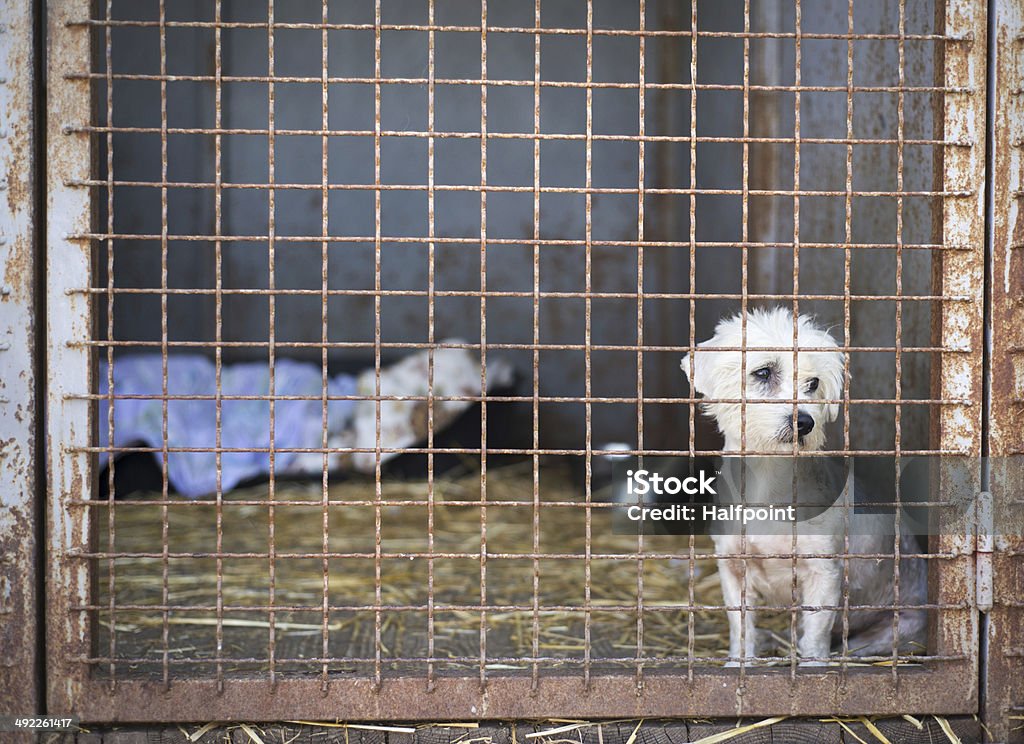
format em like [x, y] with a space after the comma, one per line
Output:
[804, 424]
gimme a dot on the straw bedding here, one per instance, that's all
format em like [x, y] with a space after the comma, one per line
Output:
[190, 584]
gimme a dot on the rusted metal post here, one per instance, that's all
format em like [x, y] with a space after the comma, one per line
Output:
[955, 631]
[69, 319]
[19, 604]
[1004, 659]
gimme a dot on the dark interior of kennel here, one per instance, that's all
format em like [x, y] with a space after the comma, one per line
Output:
[720, 243]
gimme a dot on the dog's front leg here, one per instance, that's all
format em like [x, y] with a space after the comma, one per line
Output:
[742, 632]
[820, 587]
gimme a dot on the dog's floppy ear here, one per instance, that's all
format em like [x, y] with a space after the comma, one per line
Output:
[708, 363]
[832, 380]
[701, 379]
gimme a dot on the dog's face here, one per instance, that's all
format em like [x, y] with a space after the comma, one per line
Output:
[766, 376]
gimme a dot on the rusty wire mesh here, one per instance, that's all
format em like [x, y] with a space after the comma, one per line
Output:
[619, 584]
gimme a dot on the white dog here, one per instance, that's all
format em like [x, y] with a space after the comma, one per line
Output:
[767, 374]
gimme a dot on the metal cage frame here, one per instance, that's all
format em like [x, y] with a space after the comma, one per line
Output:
[974, 586]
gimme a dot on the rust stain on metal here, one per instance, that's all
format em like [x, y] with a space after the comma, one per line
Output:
[1003, 667]
[961, 326]
[69, 317]
[460, 698]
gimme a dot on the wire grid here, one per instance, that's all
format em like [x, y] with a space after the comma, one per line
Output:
[115, 662]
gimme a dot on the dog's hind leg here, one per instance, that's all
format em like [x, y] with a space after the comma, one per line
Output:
[821, 588]
[742, 631]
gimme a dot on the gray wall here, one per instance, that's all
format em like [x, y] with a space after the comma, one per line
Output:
[510, 162]
[873, 219]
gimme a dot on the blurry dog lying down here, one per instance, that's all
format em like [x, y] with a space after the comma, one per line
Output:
[298, 424]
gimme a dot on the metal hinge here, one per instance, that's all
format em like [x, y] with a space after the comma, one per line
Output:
[983, 530]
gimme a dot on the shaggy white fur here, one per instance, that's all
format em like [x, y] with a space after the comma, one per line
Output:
[766, 424]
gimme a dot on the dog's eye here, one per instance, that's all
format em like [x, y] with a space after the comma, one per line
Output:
[763, 373]
[812, 385]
